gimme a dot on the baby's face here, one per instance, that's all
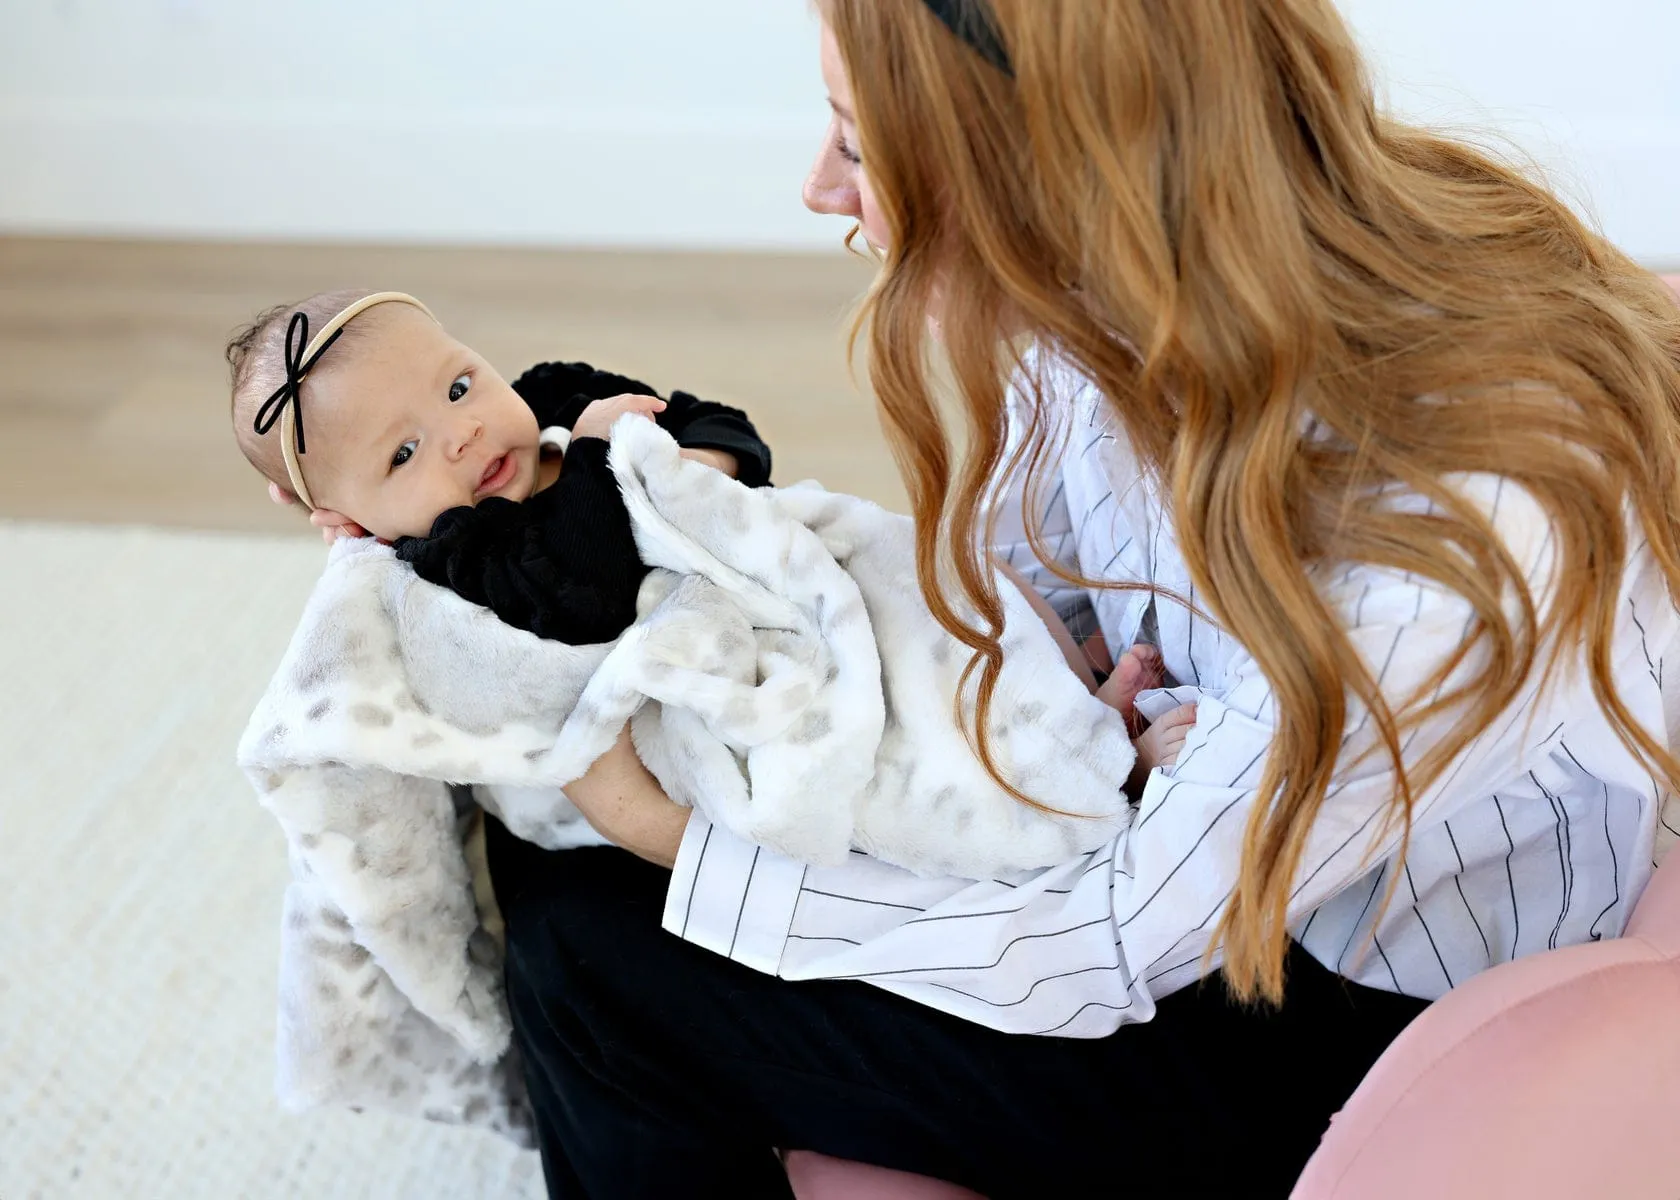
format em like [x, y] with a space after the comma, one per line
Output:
[413, 423]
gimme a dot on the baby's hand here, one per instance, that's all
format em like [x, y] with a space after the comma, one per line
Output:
[1158, 746]
[597, 420]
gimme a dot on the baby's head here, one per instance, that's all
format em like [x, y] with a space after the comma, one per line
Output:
[400, 420]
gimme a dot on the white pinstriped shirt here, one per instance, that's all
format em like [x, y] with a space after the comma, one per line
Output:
[1541, 833]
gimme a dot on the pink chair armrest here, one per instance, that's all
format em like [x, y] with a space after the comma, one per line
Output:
[1552, 1077]
[1656, 918]
[818, 1177]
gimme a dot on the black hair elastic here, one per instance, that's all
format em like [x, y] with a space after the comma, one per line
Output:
[971, 20]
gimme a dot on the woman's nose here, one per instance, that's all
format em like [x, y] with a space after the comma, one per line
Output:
[830, 189]
[830, 201]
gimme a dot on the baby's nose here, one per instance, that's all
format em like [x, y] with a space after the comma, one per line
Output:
[469, 432]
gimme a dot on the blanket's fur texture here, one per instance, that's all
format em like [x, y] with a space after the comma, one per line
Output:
[784, 676]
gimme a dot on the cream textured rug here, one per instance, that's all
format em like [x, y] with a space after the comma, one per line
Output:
[140, 890]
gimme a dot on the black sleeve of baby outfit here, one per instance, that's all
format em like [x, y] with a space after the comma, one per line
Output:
[563, 565]
[706, 425]
[559, 392]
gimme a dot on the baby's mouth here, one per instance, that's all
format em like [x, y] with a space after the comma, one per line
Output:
[497, 472]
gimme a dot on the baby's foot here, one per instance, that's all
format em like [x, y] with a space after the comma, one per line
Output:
[1138, 670]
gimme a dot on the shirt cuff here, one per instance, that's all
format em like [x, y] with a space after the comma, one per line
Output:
[731, 896]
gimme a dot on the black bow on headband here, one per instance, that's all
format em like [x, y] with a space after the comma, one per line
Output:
[970, 21]
[291, 392]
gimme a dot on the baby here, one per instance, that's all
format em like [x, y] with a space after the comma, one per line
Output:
[364, 407]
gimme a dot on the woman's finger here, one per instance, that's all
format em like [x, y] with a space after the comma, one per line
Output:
[326, 518]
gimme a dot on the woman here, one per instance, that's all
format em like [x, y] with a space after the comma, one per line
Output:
[1361, 429]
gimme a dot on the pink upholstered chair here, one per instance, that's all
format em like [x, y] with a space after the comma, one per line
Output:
[1551, 1078]
[819, 1177]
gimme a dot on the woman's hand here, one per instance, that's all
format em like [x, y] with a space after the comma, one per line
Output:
[333, 525]
[624, 803]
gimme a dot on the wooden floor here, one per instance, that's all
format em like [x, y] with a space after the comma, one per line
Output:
[113, 389]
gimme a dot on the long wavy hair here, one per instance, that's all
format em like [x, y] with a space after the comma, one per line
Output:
[1200, 206]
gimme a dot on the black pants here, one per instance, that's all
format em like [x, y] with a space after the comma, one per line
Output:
[658, 1069]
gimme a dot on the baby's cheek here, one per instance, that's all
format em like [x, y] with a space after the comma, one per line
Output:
[544, 470]
[414, 518]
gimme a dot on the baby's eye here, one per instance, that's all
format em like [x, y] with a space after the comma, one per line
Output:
[404, 453]
[459, 387]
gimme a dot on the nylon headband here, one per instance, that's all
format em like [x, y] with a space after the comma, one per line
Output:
[286, 402]
[971, 21]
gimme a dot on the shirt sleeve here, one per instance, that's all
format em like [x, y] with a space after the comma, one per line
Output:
[706, 425]
[558, 392]
[1012, 511]
[1081, 948]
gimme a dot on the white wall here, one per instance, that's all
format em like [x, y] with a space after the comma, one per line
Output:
[1590, 88]
[664, 122]
[654, 122]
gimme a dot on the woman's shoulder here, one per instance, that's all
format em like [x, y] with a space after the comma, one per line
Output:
[1052, 384]
[1052, 372]
[1525, 526]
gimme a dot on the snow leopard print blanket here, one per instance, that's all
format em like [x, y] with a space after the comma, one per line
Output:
[784, 676]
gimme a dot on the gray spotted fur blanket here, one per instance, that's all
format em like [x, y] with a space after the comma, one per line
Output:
[784, 676]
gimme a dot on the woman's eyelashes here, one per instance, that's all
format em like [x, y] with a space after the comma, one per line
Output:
[844, 149]
[404, 452]
[462, 384]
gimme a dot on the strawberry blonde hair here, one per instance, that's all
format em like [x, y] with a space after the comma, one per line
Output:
[1199, 205]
